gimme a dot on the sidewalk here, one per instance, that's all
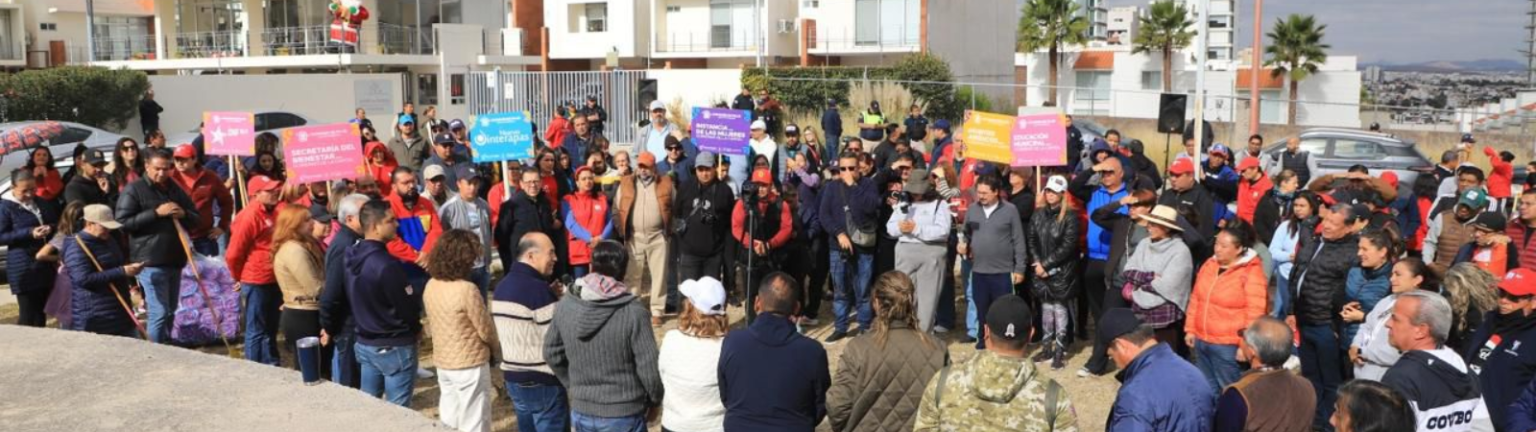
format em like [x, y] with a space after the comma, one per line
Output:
[5, 296]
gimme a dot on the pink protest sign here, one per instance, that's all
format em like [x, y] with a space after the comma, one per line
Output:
[229, 133]
[322, 153]
[1039, 140]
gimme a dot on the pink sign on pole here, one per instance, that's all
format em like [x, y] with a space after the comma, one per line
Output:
[229, 133]
[1039, 140]
[323, 153]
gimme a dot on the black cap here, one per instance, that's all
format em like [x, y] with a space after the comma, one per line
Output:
[93, 156]
[1489, 221]
[320, 214]
[443, 138]
[466, 172]
[1115, 323]
[1010, 318]
[592, 98]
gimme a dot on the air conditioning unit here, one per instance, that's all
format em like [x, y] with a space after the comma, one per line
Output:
[787, 26]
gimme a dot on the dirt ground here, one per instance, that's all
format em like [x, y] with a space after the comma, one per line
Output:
[1092, 396]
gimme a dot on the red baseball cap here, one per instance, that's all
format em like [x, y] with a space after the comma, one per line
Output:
[185, 151]
[762, 176]
[1247, 163]
[263, 183]
[1390, 177]
[1181, 166]
[1519, 282]
[647, 159]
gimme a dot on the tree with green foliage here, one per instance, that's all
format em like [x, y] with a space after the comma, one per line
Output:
[1051, 25]
[95, 96]
[1165, 28]
[806, 89]
[1296, 49]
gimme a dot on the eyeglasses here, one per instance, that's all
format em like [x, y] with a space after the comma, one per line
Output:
[903, 168]
[134, 148]
[849, 168]
[674, 148]
[1107, 172]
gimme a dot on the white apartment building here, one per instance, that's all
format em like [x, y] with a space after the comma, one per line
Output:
[1223, 23]
[1123, 23]
[1098, 18]
[1113, 82]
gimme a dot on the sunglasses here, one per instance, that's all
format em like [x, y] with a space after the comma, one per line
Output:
[674, 148]
[1107, 172]
[134, 148]
[849, 168]
[903, 168]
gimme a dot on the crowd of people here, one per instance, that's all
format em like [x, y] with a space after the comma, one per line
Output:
[1231, 290]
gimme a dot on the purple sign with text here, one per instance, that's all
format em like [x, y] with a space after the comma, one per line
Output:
[720, 130]
[1039, 140]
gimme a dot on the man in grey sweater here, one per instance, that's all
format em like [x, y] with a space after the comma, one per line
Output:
[467, 211]
[994, 242]
[601, 347]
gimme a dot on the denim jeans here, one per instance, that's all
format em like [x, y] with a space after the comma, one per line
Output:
[972, 324]
[262, 309]
[1322, 362]
[539, 407]
[162, 293]
[206, 247]
[344, 367]
[481, 276]
[388, 371]
[1218, 363]
[1281, 296]
[851, 282]
[586, 423]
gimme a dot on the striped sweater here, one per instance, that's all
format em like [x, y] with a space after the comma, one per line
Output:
[522, 308]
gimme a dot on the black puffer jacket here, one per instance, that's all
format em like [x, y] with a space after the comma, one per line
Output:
[1054, 241]
[1320, 275]
[154, 240]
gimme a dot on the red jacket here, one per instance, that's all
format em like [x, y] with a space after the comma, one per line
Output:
[1249, 194]
[250, 245]
[50, 185]
[381, 172]
[418, 231]
[205, 188]
[1425, 205]
[1525, 250]
[589, 214]
[739, 224]
[1500, 176]
[559, 127]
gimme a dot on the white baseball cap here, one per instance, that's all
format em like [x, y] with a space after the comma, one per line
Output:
[1057, 184]
[706, 294]
[759, 125]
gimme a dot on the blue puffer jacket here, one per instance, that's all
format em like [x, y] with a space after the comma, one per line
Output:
[95, 308]
[1367, 287]
[1161, 392]
[24, 273]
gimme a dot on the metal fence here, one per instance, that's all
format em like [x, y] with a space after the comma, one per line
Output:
[540, 92]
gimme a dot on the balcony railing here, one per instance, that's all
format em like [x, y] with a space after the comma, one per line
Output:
[210, 44]
[308, 40]
[848, 41]
[136, 47]
[691, 42]
[401, 39]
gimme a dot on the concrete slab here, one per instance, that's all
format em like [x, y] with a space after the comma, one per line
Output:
[72, 381]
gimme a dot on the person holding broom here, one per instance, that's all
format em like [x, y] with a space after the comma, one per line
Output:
[100, 275]
[150, 207]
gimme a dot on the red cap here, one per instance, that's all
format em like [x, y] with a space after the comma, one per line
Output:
[263, 183]
[1251, 162]
[1181, 166]
[647, 159]
[1391, 178]
[762, 176]
[1328, 199]
[185, 151]
[1519, 282]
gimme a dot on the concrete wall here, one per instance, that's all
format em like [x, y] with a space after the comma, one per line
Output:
[325, 98]
[628, 30]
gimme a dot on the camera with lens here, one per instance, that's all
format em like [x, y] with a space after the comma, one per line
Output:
[749, 194]
[903, 199]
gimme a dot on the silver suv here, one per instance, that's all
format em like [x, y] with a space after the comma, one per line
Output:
[1335, 150]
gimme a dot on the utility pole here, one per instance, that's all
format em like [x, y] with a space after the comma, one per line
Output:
[1530, 50]
[90, 31]
[1257, 67]
[1202, 40]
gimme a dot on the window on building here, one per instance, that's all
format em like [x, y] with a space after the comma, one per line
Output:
[886, 22]
[731, 23]
[48, 26]
[810, 4]
[456, 89]
[671, 9]
[596, 17]
[1151, 80]
[1093, 86]
[123, 38]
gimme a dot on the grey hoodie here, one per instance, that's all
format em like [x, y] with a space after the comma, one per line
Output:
[604, 353]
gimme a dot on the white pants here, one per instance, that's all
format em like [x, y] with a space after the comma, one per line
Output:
[465, 398]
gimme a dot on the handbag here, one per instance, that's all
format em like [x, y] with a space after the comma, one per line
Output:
[860, 236]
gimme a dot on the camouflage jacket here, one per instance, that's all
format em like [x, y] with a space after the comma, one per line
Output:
[992, 393]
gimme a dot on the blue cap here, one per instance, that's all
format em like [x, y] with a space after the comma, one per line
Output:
[407, 118]
[456, 124]
[942, 125]
[443, 138]
[1467, 138]
[1099, 145]
[1218, 148]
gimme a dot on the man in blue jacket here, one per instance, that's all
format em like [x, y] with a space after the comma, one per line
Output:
[849, 203]
[386, 309]
[771, 377]
[335, 308]
[832, 125]
[1158, 390]
[1111, 188]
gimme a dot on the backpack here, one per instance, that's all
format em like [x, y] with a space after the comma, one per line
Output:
[1052, 392]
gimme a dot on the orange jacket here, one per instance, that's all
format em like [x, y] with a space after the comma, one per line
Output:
[1224, 302]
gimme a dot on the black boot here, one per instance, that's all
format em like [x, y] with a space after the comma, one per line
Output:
[1058, 357]
[1047, 349]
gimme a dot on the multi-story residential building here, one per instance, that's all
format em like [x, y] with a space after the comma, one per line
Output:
[1222, 23]
[1098, 18]
[1122, 25]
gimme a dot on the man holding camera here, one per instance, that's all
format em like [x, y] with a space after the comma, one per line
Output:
[701, 220]
[761, 223]
[849, 208]
[921, 225]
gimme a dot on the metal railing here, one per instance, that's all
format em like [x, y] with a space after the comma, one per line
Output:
[401, 39]
[305, 40]
[682, 42]
[136, 47]
[849, 41]
[540, 93]
[210, 44]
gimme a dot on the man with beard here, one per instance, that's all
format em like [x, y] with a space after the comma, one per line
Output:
[644, 219]
[418, 229]
[525, 212]
[1448, 234]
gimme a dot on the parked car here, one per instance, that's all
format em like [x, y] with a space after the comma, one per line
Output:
[266, 121]
[62, 146]
[1334, 150]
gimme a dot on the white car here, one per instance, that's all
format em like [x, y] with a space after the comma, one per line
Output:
[62, 146]
[266, 121]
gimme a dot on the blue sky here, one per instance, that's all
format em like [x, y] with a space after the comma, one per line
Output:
[1403, 31]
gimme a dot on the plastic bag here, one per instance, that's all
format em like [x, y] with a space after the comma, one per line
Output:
[194, 324]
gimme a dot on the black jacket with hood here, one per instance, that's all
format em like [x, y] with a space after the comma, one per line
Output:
[386, 309]
[772, 378]
[1441, 389]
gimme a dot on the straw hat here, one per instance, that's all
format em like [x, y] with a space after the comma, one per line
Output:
[1165, 216]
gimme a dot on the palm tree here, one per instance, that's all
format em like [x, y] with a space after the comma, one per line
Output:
[1296, 49]
[1051, 24]
[1164, 29]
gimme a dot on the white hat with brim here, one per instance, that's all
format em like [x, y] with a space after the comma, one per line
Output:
[102, 215]
[706, 294]
[1163, 215]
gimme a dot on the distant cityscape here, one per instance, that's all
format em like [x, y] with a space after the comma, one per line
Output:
[1431, 96]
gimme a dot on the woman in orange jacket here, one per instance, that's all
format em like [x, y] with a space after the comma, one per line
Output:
[1230, 292]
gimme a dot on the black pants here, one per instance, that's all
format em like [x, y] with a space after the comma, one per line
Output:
[817, 268]
[753, 277]
[690, 267]
[1094, 300]
[32, 305]
[298, 324]
[885, 257]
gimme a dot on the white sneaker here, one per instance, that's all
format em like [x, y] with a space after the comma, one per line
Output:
[940, 329]
[423, 373]
[810, 322]
[1084, 373]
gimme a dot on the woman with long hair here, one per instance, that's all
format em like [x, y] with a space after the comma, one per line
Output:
[463, 337]
[127, 164]
[1275, 206]
[587, 220]
[887, 368]
[298, 263]
[1471, 293]
[49, 184]
[1283, 246]
[267, 164]
[689, 359]
[1230, 293]
[1370, 406]
[1053, 233]
[1369, 282]
[1370, 351]
[1158, 274]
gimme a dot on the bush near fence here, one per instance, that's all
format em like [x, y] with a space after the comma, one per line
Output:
[806, 89]
[93, 96]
